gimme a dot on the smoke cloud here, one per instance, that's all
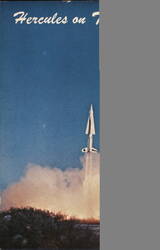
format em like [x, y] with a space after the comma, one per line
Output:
[74, 192]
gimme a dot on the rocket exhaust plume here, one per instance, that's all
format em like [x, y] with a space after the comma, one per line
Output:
[74, 192]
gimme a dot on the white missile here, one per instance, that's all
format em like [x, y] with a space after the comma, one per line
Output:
[90, 131]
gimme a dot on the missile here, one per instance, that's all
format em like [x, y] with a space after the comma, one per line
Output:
[90, 131]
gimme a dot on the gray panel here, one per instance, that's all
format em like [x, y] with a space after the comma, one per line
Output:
[130, 125]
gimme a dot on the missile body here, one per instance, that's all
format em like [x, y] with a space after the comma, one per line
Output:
[90, 131]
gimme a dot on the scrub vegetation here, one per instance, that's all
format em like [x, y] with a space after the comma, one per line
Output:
[35, 228]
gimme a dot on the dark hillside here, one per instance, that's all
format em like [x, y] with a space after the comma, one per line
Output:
[34, 228]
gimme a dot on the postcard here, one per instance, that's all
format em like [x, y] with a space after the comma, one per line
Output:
[49, 125]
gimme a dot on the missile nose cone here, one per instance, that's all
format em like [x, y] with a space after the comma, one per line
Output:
[90, 129]
[91, 108]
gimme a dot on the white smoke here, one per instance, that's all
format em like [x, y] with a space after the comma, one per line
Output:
[74, 192]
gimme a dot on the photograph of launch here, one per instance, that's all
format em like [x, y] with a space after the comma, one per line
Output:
[49, 126]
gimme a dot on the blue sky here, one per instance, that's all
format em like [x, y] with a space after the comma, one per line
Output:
[49, 76]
